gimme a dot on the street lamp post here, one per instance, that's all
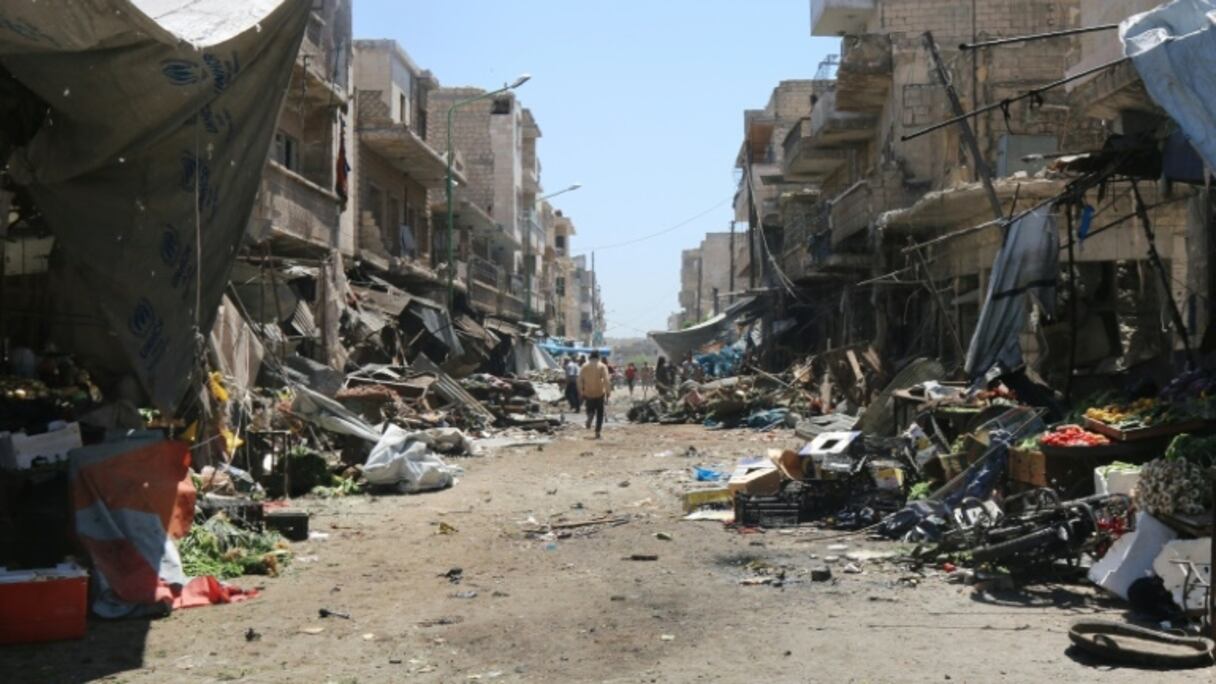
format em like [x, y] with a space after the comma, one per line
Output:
[448, 182]
[528, 249]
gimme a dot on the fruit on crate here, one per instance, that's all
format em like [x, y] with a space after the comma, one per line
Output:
[1072, 436]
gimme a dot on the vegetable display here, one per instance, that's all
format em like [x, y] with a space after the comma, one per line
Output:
[1178, 482]
[1072, 436]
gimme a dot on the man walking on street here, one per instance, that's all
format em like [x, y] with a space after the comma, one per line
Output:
[631, 377]
[595, 386]
[571, 369]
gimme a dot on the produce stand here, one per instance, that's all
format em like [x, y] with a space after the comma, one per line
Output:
[1152, 432]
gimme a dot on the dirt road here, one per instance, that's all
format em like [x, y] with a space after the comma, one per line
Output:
[571, 609]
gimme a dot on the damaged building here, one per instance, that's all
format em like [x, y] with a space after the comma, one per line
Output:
[876, 197]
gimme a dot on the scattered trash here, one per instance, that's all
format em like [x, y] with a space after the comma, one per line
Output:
[663, 536]
[852, 569]
[821, 573]
[445, 528]
[252, 635]
[327, 613]
[454, 575]
[464, 595]
[312, 630]
[641, 557]
[667, 637]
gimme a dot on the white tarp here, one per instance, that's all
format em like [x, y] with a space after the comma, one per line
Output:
[408, 461]
[161, 117]
[1174, 50]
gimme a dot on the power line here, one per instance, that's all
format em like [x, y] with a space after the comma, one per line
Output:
[669, 229]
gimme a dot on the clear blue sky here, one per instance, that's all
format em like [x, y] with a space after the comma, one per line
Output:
[640, 100]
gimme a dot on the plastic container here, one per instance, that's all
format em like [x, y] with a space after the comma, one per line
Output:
[48, 604]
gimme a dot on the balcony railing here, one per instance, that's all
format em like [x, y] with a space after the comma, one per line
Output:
[293, 206]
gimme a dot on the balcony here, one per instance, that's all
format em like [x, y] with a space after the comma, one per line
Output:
[290, 207]
[805, 160]
[400, 145]
[531, 179]
[863, 79]
[841, 17]
[831, 127]
[319, 63]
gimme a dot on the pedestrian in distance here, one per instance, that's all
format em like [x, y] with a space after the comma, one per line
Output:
[595, 387]
[571, 371]
[631, 377]
[664, 376]
[646, 376]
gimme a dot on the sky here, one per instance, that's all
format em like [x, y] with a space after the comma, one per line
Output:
[641, 101]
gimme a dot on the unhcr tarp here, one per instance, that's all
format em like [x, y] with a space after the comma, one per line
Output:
[148, 161]
[1174, 50]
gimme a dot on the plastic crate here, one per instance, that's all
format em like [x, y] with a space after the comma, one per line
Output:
[43, 605]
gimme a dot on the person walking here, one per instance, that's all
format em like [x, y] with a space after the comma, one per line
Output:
[571, 370]
[631, 377]
[646, 375]
[595, 386]
[664, 376]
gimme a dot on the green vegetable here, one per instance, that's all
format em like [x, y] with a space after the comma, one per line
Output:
[920, 490]
[220, 548]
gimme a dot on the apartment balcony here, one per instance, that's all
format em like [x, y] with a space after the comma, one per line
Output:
[831, 127]
[806, 159]
[294, 210]
[841, 17]
[403, 149]
[531, 179]
[852, 211]
[863, 79]
[319, 65]
[484, 278]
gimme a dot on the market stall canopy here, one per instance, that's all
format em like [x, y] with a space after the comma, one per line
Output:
[160, 118]
[676, 344]
[1174, 49]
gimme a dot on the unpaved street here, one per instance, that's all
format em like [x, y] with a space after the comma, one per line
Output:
[572, 610]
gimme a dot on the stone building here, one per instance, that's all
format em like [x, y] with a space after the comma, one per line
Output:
[834, 193]
[399, 174]
[300, 207]
[492, 135]
[706, 284]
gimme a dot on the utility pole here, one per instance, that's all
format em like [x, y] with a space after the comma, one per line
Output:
[700, 281]
[751, 225]
[732, 260]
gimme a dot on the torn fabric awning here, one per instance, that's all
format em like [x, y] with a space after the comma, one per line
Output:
[1174, 49]
[676, 344]
[1026, 265]
[163, 116]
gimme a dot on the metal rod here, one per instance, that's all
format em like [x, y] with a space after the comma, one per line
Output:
[1072, 307]
[1155, 258]
[973, 145]
[1007, 101]
[1035, 36]
[931, 285]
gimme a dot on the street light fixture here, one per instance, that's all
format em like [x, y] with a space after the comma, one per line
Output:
[528, 251]
[523, 78]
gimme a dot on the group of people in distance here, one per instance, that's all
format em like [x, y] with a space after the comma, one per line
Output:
[590, 381]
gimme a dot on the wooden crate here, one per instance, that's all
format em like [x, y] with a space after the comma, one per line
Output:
[1138, 434]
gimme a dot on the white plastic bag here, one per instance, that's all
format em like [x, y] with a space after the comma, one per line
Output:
[405, 459]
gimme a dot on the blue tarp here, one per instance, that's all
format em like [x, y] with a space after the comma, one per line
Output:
[1027, 264]
[559, 350]
[1174, 49]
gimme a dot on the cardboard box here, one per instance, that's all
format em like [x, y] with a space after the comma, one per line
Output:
[704, 497]
[762, 478]
[49, 604]
[19, 451]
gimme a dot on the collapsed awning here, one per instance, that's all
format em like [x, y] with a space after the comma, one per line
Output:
[676, 344]
[163, 115]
